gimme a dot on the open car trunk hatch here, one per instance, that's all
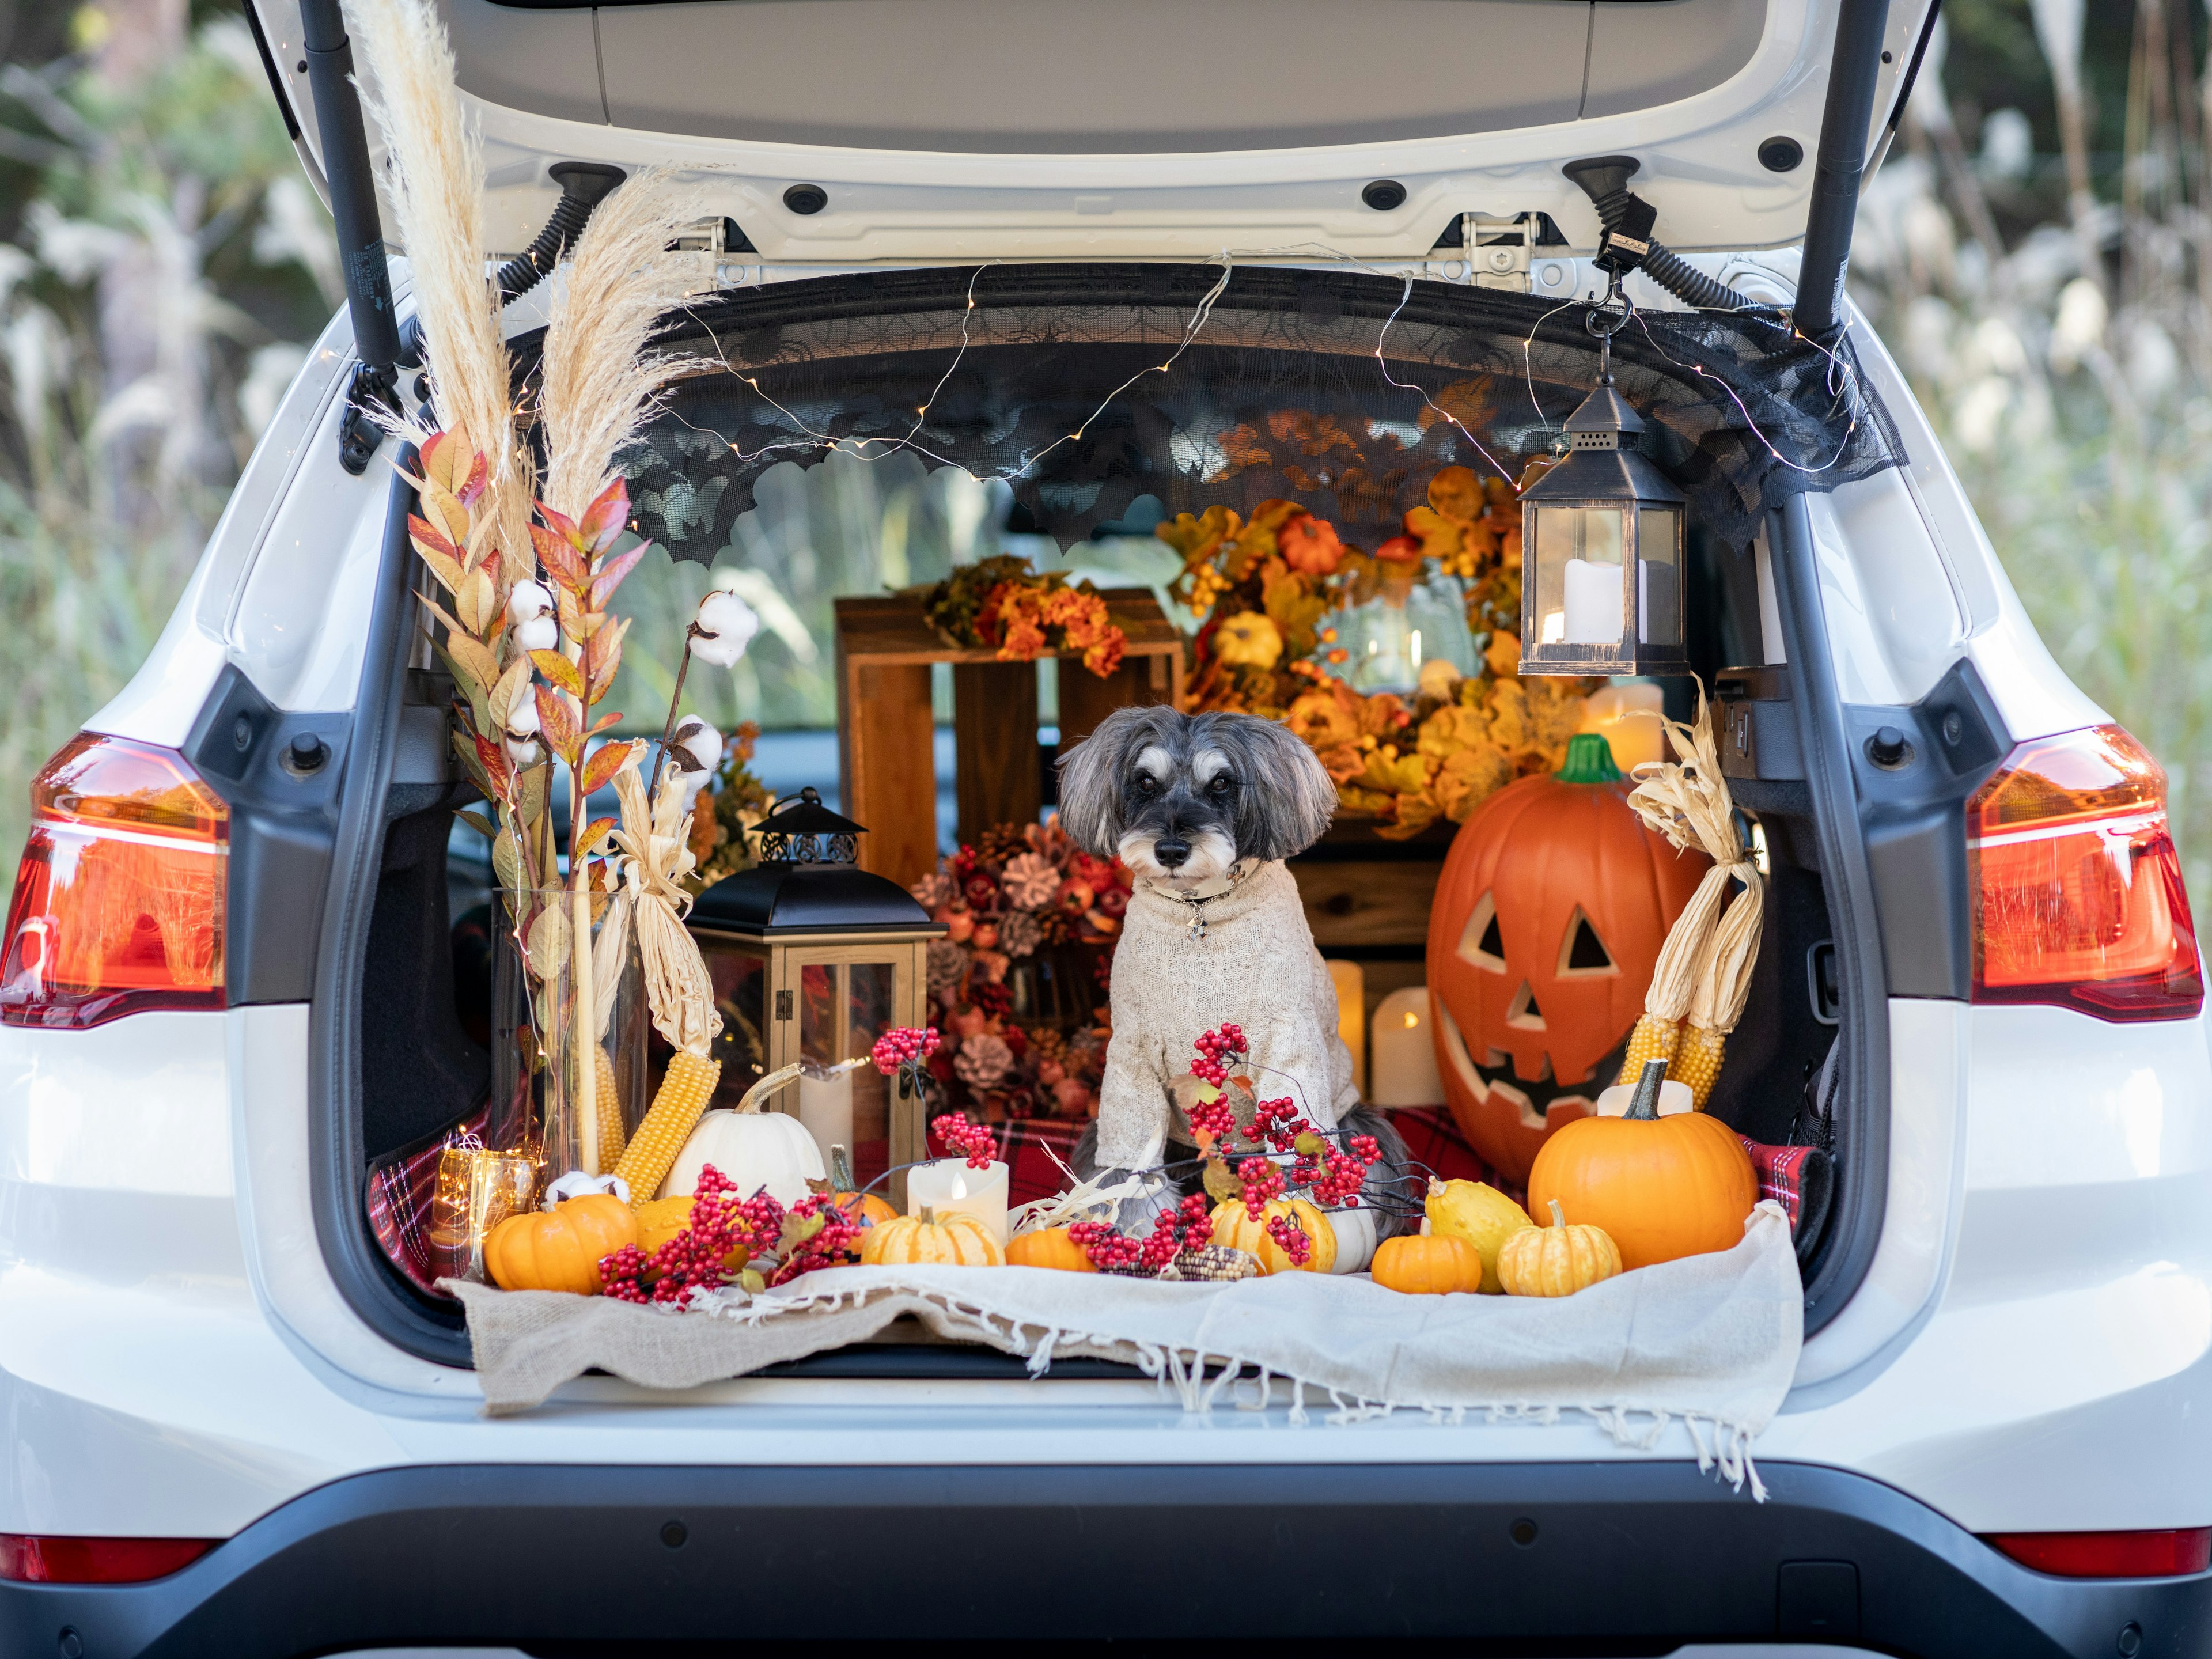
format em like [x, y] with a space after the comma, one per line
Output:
[858, 131]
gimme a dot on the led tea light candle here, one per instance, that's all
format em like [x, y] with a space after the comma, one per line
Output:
[1350, 980]
[1593, 602]
[949, 1186]
[826, 1102]
[1403, 1060]
[1627, 717]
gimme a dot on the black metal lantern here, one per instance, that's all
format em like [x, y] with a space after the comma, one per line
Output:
[1602, 551]
[814, 958]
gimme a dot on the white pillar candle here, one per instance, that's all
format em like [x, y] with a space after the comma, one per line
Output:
[825, 1108]
[1593, 602]
[949, 1186]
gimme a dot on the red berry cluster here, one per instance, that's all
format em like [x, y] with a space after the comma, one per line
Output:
[957, 1135]
[995, 1000]
[1212, 1117]
[904, 1045]
[694, 1258]
[836, 1241]
[1263, 1183]
[1292, 1239]
[1278, 1122]
[1218, 1050]
[1107, 1246]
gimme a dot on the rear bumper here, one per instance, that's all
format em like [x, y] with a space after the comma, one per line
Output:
[1632, 1559]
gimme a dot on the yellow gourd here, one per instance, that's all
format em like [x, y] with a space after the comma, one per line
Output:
[559, 1249]
[660, 1219]
[1234, 1228]
[1481, 1214]
[958, 1241]
[1558, 1260]
[1435, 1266]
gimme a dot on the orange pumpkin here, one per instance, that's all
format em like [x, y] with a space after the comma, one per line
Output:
[1048, 1247]
[559, 1249]
[1434, 1264]
[864, 1207]
[1552, 906]
[1661, 1187]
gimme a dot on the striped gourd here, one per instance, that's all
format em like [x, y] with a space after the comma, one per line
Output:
[676, 1109]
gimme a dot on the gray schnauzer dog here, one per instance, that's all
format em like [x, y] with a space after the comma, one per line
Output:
[1203, 809]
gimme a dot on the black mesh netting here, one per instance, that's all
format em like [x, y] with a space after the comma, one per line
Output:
[1281, 393]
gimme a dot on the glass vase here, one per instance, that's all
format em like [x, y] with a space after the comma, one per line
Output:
[570, 1030]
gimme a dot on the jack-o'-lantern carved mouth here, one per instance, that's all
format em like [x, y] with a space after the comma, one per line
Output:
[1534, 1098]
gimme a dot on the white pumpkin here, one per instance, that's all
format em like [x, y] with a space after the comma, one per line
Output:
[1355, 1239]
[754, 1150]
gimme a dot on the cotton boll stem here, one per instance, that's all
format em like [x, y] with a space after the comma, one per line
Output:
[675, 703]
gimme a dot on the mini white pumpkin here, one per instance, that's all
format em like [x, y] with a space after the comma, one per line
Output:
[1355, 1239]
[754, 1148]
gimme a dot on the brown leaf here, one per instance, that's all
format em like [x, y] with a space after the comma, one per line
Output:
[604, 518]
[561, 560]
[594, 832]
[610, 573]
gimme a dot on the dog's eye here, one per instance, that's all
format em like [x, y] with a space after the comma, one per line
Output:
[1145, 786]
[1221, 786]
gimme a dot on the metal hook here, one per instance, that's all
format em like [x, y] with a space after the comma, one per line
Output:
[1605, 319]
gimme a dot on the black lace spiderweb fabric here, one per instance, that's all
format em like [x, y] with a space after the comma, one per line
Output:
[1074, 384]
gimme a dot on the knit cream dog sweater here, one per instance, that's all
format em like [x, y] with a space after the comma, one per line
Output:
[1253, 964]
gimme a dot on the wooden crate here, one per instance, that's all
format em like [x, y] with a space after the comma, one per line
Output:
[887, 768]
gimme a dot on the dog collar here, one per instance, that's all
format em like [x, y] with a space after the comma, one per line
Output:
[1199, 900]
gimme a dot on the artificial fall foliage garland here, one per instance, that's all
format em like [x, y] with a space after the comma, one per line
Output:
[1000, 603]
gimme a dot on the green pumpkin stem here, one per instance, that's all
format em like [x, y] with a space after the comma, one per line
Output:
[929, 1215]
[1589, 760]
[1644, 1105]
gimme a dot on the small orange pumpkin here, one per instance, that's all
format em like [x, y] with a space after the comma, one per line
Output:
[864, 1207]
[1048, 1247]
[1663, 1187]
[1432, 1265]
[559, 1249]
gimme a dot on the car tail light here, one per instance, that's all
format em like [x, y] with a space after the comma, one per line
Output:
[2168, 1554]
[2078, 898]
[118, 901]
[29, 1559]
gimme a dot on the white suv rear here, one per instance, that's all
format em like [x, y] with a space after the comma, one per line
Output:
[234, 1429]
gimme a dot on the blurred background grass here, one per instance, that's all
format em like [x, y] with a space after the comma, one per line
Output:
[2037, 251]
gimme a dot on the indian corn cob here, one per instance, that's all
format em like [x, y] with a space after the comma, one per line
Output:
[676, 1106]
[1697, 1061]
[607, 1100]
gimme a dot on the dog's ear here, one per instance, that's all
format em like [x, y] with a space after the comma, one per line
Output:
[1288, 797]
[1090, 783]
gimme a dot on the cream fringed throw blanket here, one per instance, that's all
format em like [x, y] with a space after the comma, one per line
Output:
[1711, 1340]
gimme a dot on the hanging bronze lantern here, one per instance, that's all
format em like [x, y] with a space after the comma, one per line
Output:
[1601, 538]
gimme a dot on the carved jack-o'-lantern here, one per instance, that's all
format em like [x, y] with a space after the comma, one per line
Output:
[1550, 914]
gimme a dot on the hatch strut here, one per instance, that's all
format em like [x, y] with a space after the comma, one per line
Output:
[1852, 71]
[360, 233]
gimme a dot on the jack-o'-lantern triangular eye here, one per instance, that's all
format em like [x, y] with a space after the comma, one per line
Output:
[1582, 952]
[1481, 941]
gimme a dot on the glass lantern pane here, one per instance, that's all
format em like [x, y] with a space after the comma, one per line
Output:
[870, 1011]
[819, 1012]
[1659, 574]
[740, 978]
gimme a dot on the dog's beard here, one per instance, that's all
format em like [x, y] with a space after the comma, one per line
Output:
[1213, 855]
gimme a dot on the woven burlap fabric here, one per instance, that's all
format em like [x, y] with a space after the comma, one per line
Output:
[1711, 1342]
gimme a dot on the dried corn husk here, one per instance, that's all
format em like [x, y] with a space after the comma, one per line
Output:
[678, 991]
[1703, 972]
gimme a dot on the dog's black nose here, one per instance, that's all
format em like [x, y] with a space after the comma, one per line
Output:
[1170, 850]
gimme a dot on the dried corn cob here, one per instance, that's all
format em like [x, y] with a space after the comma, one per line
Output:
[607, 1100]
[682, 1096]
[1654, 1038]
[1698, 1062]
